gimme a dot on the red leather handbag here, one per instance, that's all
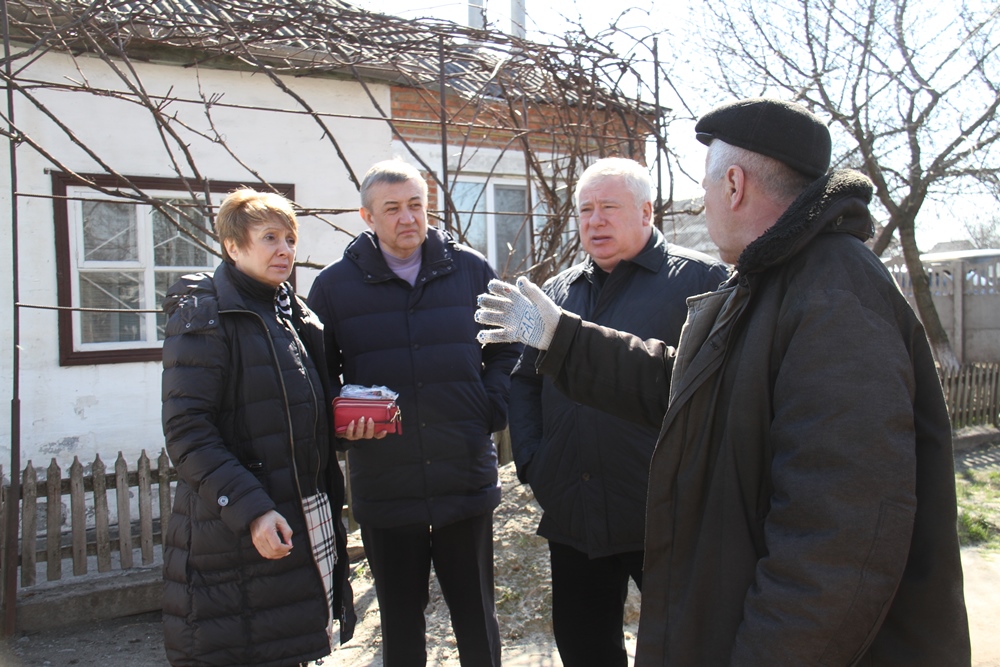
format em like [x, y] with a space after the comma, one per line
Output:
[383, 411]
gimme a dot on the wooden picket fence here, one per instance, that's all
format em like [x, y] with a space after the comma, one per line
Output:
[103, 539]
[973, 394]
[107, 541]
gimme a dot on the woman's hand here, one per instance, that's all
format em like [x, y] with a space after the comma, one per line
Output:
[368, 433]
[271, 535]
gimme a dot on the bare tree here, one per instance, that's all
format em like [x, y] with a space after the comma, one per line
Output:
[913, 86]
[984, 231]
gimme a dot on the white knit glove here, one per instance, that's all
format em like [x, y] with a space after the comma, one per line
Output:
[523, 313]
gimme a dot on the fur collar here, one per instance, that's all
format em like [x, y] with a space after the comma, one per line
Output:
[835, 203]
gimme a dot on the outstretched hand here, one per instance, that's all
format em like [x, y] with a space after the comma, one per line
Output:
[523, 313]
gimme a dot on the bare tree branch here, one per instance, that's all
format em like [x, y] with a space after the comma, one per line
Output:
[912, 86]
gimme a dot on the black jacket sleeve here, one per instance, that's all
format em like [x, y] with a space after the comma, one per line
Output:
[526, 421]
[610, 370]
[195, 376]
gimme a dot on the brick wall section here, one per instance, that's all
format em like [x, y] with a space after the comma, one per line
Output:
[432, 194]
[489, 124]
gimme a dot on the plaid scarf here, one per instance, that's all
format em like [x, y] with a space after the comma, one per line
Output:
[323, 540]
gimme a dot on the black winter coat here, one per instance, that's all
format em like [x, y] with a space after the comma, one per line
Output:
[801, 505]
[245, 415]
[588, 469]
[421, 342]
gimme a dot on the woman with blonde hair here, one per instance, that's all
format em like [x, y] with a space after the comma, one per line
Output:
[255, 564]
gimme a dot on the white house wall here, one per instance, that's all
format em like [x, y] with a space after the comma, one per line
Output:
[103, 409]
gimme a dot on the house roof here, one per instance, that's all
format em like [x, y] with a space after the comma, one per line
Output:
[316, 36]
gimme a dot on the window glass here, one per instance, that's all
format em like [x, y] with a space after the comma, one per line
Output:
[164, 279]
[494, 219]
[122, 254]
[470, 205]
[512, 232]
[109, 232]
[131, 254]
[174, 247]
[111, 289]
[176, 237]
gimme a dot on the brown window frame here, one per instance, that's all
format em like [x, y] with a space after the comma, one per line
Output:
[66, 269]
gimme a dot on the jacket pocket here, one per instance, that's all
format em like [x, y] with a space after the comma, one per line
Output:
[880, 577]
[259, 471]
[552, 476]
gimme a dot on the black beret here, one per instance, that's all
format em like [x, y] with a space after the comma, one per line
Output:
[787, 132]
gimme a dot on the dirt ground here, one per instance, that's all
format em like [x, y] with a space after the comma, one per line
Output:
[524, 597]
[523, 604]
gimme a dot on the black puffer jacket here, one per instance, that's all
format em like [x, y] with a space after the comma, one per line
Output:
[246, 423]
[801, 506]
[588, 469]
[421, 342]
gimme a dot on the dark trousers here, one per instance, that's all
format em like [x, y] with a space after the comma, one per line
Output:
[588, 605]
[462, 554]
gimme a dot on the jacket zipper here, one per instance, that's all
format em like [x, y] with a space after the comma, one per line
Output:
[317, 406]
[284, 391]
[291, 434]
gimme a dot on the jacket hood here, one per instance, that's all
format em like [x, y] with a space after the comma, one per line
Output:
[835, 203]
[196, 299]
[188, 292]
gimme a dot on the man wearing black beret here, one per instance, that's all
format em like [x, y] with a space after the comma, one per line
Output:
[801, 505]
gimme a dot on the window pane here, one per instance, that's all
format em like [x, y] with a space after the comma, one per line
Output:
[511, 228]
[470, 203]
[541, 215]
[109, 232]
[171, 246]
[111, 289]
[164, 279]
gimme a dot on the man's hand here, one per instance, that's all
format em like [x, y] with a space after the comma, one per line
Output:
[271, 535]
[523, 313]
[364, 432]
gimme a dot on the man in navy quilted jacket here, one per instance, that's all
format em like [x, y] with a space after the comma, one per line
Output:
[398, 312]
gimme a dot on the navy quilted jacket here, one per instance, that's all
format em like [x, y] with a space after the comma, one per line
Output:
[421, 342]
